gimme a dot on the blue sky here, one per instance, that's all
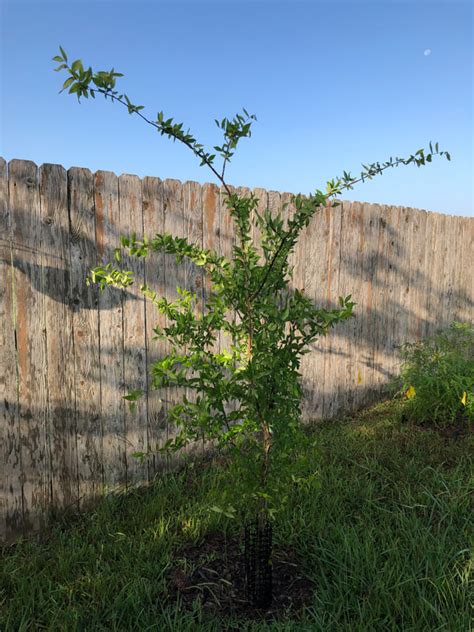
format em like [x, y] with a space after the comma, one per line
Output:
[333, 84]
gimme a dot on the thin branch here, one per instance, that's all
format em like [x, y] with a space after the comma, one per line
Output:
[224, 164]
[341, 187]
[199, 153]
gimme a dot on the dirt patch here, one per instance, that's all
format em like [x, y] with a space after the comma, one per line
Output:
[460, 429]
[212, 574]
[455, 433]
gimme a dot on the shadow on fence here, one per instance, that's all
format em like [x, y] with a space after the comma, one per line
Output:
[70, 353]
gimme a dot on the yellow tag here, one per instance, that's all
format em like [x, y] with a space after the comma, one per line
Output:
[410, 392]
[359, 377]
[464, 398]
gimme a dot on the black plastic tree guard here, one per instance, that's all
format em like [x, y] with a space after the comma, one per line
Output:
[258, 562]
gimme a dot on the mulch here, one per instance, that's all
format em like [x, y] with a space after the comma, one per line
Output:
[211, 573]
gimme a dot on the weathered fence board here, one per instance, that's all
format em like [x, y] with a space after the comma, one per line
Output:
[85, 326]
[349, 283]
[210, 234]
[312, 255]
[347, 277]
[154, 276]
[30, 329]
[384, 283]
[68, 353]
[11, 509]
[226, 239]
[263, 203]
[193, 274]
[174, 272]
[55, 279]
[465, 289]
[133, 315]
[112, 385]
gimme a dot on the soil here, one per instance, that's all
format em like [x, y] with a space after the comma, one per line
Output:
[212, 573]
[456, 431]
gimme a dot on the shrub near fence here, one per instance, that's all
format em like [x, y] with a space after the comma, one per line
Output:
[68, 354]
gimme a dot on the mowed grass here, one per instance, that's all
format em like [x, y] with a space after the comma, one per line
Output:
[382, 525]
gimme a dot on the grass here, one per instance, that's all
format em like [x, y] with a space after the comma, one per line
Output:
[382, 526]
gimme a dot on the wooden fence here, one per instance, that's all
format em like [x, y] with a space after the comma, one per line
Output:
[68, 353]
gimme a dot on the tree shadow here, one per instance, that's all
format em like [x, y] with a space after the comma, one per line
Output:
[367, 343]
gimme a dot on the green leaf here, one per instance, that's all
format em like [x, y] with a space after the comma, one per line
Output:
[68, 82]
[229, 511]
[77, 66]
[134, 395]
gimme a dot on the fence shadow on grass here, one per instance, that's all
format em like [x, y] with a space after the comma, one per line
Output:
[80, 454]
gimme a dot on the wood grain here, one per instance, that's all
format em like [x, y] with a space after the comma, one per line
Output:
[211, 216]
[29, 306]
[335, 342]
[11, 510]
[348, 384]
[85, 327]
[69, 353]
[210, 229]
[106, 195]
[227, 239]
[154, 276]
[175, 277]
[194, 277]
[133, 316]
[465, 265]
[262, 205]
[60, 422]
[312, 274]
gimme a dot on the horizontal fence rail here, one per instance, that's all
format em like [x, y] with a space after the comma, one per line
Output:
[69, 353]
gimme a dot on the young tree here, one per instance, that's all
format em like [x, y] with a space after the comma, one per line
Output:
[248, 397]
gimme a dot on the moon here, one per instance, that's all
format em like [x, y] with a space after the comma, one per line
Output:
[427, 52]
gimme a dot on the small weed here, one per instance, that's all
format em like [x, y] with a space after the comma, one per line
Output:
[437, 377]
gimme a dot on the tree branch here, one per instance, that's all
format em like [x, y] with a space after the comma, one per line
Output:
[199, 153]
[348, 183]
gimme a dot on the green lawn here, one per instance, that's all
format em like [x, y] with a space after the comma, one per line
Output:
[381, 526]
